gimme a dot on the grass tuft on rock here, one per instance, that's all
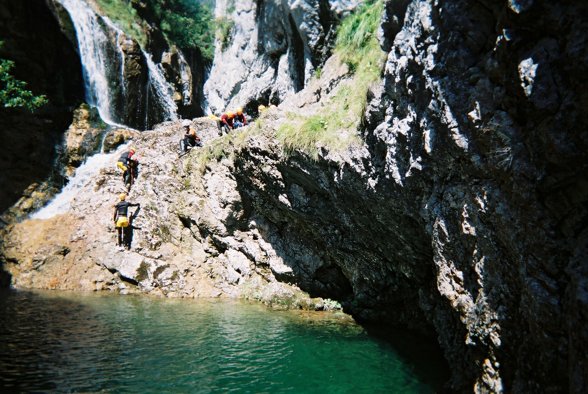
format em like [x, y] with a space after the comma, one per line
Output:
[335, 128]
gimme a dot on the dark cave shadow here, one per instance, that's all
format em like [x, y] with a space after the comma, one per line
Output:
[422, 353]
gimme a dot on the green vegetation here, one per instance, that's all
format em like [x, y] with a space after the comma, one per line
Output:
[126, 18]
[13, 92]
[185, 23]
[224, 28]
[335, 127]
[219, 149]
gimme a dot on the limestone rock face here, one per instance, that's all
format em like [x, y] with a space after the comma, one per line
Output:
[269, 50]
[181, 200]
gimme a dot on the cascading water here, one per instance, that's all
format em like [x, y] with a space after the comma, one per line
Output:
[186, 80]
[160, 89]
[85, 174]
[93, 43]
[103, 64]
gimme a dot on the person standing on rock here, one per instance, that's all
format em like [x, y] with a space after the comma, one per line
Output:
[129, 165]
[123, 222]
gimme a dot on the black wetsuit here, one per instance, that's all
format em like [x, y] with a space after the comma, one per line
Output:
[122, 209]
[131, 167]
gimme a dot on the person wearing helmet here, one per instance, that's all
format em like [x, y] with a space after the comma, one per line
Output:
[227, 122]
[240, 119]
[190, 139]
[123, 222]
[129, 166]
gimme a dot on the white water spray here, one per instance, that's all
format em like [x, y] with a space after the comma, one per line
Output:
[186, 80]
[85, 175]
[163, 90]
[92, 43]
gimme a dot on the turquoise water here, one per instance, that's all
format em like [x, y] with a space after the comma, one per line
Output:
[66, 342]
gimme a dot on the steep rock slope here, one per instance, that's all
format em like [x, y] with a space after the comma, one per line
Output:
[268, 50]
[77, 250]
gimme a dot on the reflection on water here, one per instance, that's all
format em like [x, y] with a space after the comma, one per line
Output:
[69, 342]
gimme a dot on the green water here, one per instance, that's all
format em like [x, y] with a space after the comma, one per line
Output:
[65, 342]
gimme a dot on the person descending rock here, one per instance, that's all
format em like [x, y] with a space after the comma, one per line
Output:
[240, 119]
[190, 139]
[129, 166]
[123, 222]
[227, 122]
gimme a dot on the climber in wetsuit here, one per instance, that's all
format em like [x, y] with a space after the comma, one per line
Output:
[240, 119]
[122, 222]
[129, 165]
[190, 139]
[226, 121]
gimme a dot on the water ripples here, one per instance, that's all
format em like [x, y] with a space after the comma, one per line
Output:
[72, 343]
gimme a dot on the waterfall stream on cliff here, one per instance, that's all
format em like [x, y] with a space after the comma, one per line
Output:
[161, 90]
[85, 174]
[103, 62]
[92, 43]
[68, 342]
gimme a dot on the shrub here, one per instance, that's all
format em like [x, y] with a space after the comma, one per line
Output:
[13, 92]
[335, 127]
[224, 28]
[185, 23]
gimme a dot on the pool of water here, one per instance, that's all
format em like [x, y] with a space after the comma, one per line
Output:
[68, 342]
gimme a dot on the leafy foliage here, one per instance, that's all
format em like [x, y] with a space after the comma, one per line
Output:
[186, 23]
[13, 92]
[126, 18]
[224, 27]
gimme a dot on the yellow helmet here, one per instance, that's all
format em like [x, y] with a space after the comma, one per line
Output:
[239, 111]
[132, 149]
[122, 196]
[261, 107]
[230, 114]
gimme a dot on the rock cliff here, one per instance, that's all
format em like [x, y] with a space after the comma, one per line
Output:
[460, 213]
[267, 50]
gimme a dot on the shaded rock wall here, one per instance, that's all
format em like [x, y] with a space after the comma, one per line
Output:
[466, 213]
[47, 61]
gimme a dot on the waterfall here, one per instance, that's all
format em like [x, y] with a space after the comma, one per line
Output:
[161, 89]
[103, 68]
[93, 43]
[186, 80]
[119, 35]
[84, 176]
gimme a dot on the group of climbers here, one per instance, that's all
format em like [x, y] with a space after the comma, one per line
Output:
[232, 120]
[129, 164]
